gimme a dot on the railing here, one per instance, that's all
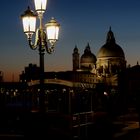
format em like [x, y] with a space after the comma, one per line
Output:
[81, 123]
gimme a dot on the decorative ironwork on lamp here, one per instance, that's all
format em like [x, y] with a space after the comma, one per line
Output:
[42, 36]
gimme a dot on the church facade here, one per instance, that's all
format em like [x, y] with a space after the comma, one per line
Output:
[106, 66]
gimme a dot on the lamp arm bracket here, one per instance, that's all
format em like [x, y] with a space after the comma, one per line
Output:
[32, 45]
[49, 49]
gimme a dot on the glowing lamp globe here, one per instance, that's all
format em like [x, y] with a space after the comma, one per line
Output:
[29, 22]
[52, 30]
[40, 6]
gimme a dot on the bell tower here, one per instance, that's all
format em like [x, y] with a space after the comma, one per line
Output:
[75, 58]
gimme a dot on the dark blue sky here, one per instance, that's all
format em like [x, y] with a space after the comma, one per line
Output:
[81, 22]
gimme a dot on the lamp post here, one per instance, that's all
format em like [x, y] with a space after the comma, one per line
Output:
[42, 37]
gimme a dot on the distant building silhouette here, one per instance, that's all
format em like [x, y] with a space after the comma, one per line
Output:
[1, 76]
[30, 73]
[132, 84]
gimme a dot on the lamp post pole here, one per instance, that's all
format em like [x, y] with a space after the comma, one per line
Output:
[42, 90]
[42, 38]
[41, 62]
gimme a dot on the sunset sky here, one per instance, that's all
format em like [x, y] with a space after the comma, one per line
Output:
[82, 22]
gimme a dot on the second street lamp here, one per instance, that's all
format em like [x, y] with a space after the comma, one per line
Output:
[42, 37]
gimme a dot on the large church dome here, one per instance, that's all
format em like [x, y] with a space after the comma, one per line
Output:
[88, 59]
[110, 48]
[110, 58]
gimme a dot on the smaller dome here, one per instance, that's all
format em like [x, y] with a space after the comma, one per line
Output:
[88, 56]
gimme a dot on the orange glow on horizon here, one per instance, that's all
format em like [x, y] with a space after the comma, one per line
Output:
[10, 77]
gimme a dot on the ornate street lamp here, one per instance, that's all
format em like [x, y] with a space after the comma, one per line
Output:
[42, 37]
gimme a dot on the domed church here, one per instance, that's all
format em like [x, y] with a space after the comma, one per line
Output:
[109, 61]
[90, 69]
[110, 58]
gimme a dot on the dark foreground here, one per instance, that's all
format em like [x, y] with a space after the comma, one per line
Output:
[52, 125]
